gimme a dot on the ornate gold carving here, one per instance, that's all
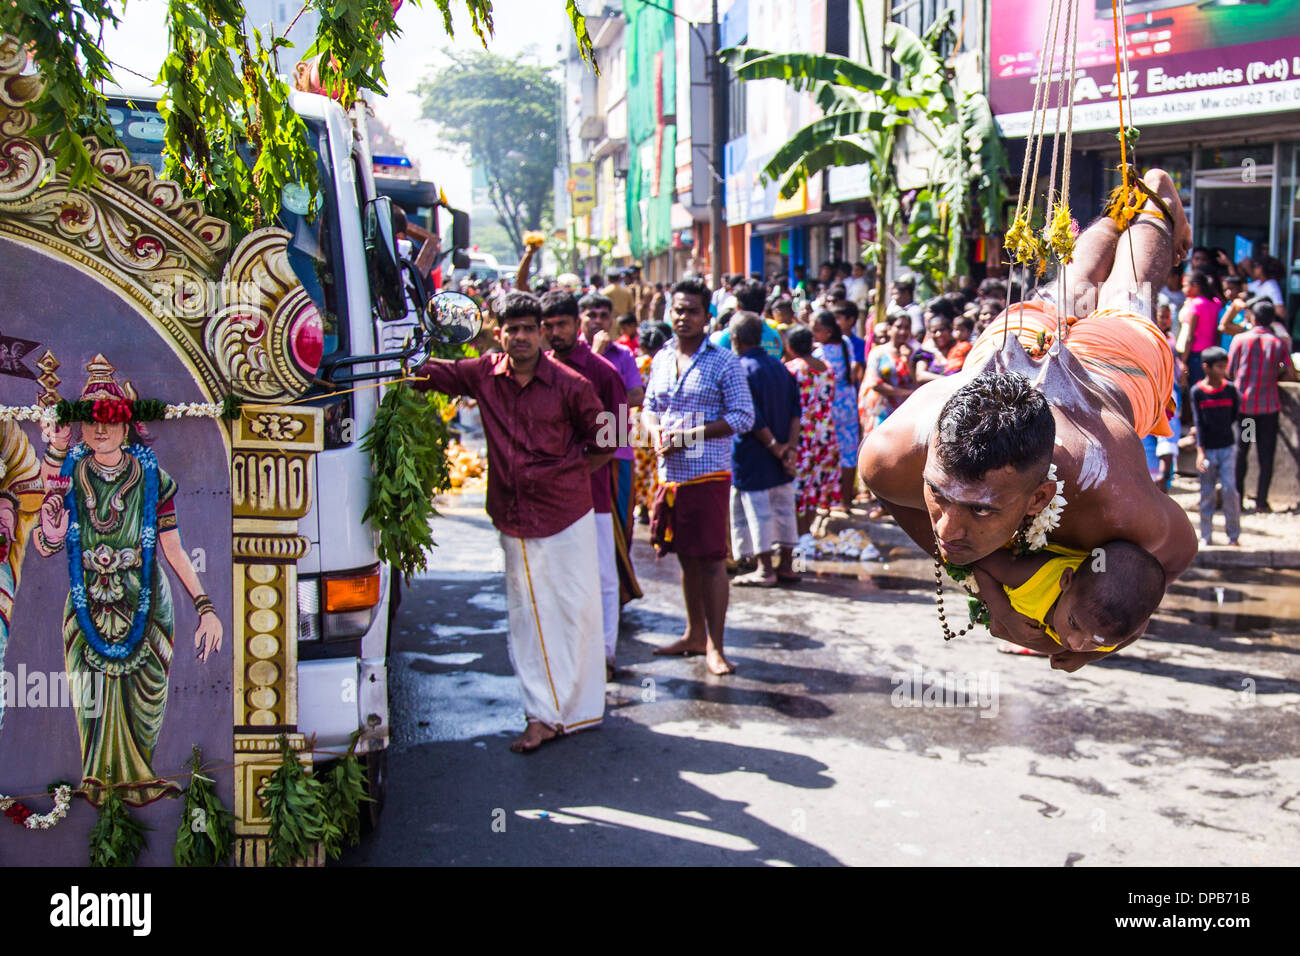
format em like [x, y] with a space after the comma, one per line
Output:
[233, 320]
[266, 685]
[276, 427]
[50, 382]
[263, 301]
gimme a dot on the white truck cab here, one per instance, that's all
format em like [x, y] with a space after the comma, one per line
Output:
[345, 594]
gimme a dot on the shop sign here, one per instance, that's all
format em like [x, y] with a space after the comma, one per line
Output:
[1186, 61]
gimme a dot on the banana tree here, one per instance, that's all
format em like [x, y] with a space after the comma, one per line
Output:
[864, 110]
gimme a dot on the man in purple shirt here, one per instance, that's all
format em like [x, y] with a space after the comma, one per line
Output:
[560, 328]
[542, 423]
[597, 316]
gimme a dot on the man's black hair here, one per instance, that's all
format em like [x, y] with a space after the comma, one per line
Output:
[594, 300]
[1122, 587]
[800, 340]
[1262, 311]
[746, 329]
[942, 306]
[627, 318]
[750, 296]
[519, 304]
[905, 281]
[837, 291]
[848, 307]
[558, 302]
[652, 338]
[696, 287]
[995, 420]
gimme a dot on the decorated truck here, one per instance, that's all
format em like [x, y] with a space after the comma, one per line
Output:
[192, 612]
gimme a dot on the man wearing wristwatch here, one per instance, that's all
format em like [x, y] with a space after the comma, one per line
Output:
[763, 461]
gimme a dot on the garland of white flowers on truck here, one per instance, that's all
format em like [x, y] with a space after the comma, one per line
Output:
[65, 412]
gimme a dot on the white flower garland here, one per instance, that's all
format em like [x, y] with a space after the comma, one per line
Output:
[50, 415]
[44, 821]
[1047, 520]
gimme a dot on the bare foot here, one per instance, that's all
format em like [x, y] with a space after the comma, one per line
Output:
[685, 647]
[718, 664]
[536, 734]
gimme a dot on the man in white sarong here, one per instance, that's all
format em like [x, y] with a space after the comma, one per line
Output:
[542, 422]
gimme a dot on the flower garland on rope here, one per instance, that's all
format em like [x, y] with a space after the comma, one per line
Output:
[148, 542]
[64, 412]
[22, 815]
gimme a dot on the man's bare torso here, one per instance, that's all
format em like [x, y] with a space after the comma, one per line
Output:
[1099, 456]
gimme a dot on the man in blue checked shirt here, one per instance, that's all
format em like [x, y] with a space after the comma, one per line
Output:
[696, 399]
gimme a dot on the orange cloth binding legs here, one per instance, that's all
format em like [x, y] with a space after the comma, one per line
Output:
[1124, 348]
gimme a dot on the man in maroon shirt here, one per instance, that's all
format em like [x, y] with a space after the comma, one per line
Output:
[542, 422]
[560, 328]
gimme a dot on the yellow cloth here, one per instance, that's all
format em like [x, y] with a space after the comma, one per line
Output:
[1036, 596]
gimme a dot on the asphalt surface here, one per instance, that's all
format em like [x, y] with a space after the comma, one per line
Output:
[831, 744]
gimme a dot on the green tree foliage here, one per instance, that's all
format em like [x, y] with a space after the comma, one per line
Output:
[65, 38]
[864, 110]
[506, 115]
[231, 139]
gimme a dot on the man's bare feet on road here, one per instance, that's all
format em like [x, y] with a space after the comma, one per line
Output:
[685, 647]
[536, 734]
[718, 664]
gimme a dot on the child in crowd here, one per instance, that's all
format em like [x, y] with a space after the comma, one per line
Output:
[1084, 601]
[1216, 405]
[628, 333]
[963, 329]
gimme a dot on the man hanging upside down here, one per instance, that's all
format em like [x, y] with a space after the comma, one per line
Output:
[963, 464]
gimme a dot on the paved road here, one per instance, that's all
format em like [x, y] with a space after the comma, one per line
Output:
[1183, 751]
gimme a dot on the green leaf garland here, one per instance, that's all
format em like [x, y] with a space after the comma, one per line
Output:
[407, 445]
[205, 836]
[294, 803]
[345, 791]
[117, 838]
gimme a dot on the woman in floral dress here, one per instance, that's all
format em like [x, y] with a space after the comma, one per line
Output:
[645, 474]
[817, 473]
[833, 349]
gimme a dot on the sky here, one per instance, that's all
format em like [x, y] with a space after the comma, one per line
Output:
[527, 29]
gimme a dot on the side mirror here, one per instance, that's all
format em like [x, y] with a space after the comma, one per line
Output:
[453, 317]
[459, 230]
[459, 239]
[381, 258]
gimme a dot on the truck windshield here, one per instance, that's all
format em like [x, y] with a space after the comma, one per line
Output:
[315, 252]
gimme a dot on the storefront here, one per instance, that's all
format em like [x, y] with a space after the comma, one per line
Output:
[1216, 106]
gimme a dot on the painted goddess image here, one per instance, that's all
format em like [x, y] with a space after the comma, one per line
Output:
[111, 508]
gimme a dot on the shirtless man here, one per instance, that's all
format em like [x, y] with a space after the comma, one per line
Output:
[1106, 389]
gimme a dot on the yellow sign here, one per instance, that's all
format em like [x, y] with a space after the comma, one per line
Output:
[583, 178]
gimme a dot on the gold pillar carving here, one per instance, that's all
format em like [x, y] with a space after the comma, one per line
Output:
[270, 489]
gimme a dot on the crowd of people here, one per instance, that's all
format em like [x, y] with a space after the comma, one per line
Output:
[737, 416]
